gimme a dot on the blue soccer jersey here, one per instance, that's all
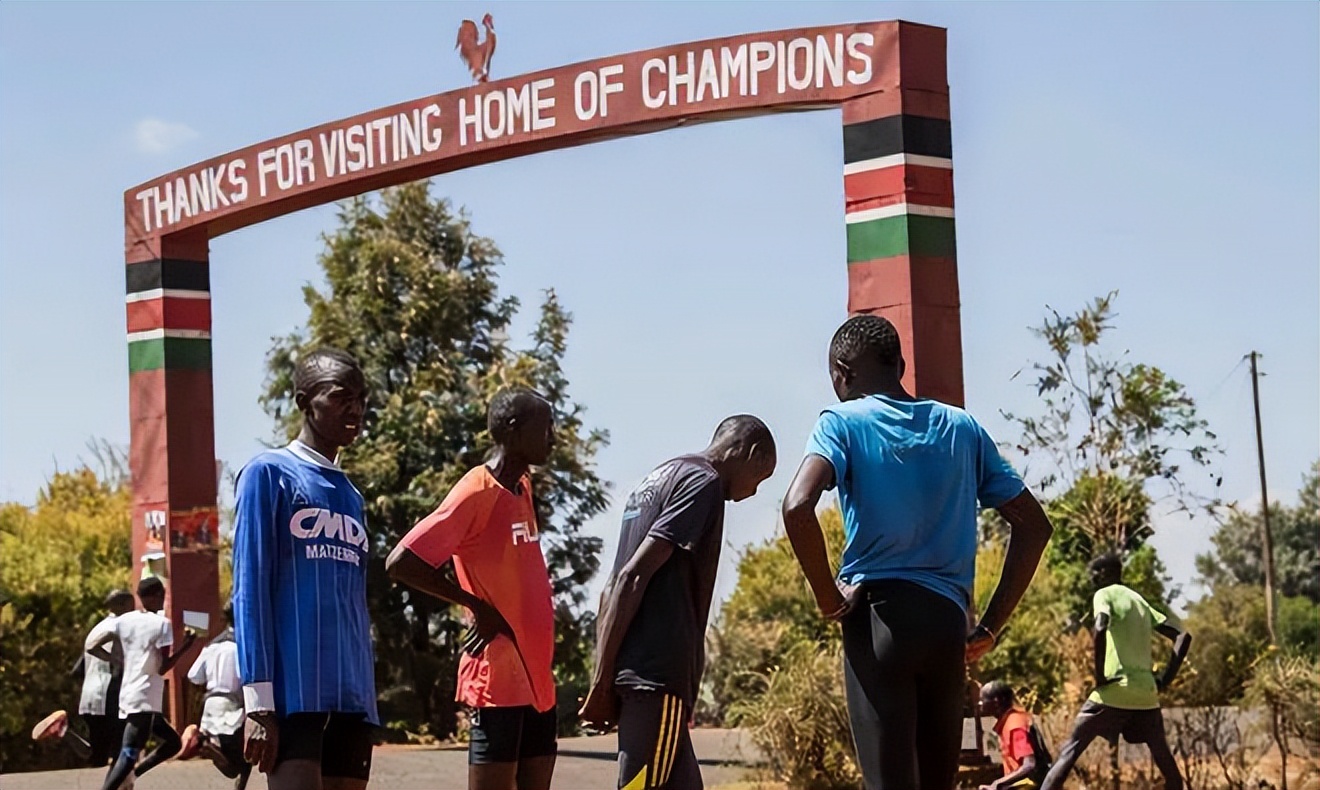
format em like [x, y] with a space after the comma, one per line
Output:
[300, 591]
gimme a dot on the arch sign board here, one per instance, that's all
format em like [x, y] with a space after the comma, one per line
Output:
[888, 78]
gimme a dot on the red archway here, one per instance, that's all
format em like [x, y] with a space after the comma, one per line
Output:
[889, 79]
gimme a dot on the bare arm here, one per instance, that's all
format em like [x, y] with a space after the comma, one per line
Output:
[1182, 642]
[1029, 533]
[406, 568]
[167, 661]
[1024, 771]
[813, 478]
[621, 601]
[99, 648]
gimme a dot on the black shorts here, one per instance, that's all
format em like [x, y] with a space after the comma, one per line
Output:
[340, 742]
[105, 734]
[655, 747]
[1135, 726]
[507, 735]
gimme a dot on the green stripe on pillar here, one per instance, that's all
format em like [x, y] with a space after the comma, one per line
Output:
[171, 353]
[906, 234]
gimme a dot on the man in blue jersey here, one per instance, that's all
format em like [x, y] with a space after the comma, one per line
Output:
[910, 473]
[300, 597]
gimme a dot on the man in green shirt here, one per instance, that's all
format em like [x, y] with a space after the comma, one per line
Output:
[1126, 699]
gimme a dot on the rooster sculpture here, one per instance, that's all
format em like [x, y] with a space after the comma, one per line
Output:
[475, 52]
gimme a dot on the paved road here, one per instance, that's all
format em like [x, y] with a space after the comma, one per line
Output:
[584, 764]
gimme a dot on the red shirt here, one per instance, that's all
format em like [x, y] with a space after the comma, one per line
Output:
[492, 536]
[1014, 743]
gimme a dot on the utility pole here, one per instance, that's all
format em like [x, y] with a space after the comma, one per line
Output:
[1266, 537]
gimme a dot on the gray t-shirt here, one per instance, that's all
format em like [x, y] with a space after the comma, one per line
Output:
[681, 502]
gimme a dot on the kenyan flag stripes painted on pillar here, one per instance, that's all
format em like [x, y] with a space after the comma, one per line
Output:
[169, 315]
[898, 182]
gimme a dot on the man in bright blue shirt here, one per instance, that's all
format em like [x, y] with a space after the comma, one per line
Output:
[910, 473]
[300, 601]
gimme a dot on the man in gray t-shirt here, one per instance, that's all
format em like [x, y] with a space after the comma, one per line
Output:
[652, 624]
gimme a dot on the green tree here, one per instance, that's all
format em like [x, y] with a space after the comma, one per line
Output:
[774, 666]
[1104, 415]
[412, 292]
[1113, 440]
[1236, 557]
[1230, 634]
[770, 612]
[1022, 656]
[1287, 687]
[1231, 637]
[61, 558]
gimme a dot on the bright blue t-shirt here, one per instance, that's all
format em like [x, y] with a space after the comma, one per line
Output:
[300, 587]
[909, 475]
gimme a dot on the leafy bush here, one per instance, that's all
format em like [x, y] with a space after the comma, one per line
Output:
[770, 612]
[799, 721]
[1287, 688]
[61, 558]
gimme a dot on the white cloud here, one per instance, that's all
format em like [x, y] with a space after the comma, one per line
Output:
[155, 136]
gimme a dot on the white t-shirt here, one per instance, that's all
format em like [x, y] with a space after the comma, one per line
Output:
[142, 635]
[217, 669]
[97, 674]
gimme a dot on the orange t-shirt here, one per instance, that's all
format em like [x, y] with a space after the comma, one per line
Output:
[492, 536]
[1014, 741]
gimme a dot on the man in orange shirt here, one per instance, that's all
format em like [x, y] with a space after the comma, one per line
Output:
[1023, 767]
[487, 526]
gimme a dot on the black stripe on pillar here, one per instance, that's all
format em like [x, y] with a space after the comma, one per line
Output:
[897, 134]
[169, 273]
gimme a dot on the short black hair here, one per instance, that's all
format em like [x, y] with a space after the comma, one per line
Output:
[228, 612]
[744, 431]
[152, 585]
[998, 689]
[311, 367]
[1109, 561]
[511, 403]
[866, 337]
[117, 597]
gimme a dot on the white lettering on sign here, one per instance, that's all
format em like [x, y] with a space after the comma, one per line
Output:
[764, 67]
[542, 104]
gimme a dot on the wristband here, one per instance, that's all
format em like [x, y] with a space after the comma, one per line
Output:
[982, 627]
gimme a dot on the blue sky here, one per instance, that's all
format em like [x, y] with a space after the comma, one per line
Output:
[1168, 151]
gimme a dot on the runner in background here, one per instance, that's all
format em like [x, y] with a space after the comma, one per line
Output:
[98, 704]
[219, 737]
[1126, 700]
[145, 637]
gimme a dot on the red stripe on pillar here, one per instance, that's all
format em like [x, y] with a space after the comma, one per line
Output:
[901, 101]
[192, 439]
[937, 352]
[917, 184]
[192, 244]
[901, 280]
[169, 313]
[148, 456]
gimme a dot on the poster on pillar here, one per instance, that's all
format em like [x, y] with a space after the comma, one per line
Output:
[197, 529]
[153, 525]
